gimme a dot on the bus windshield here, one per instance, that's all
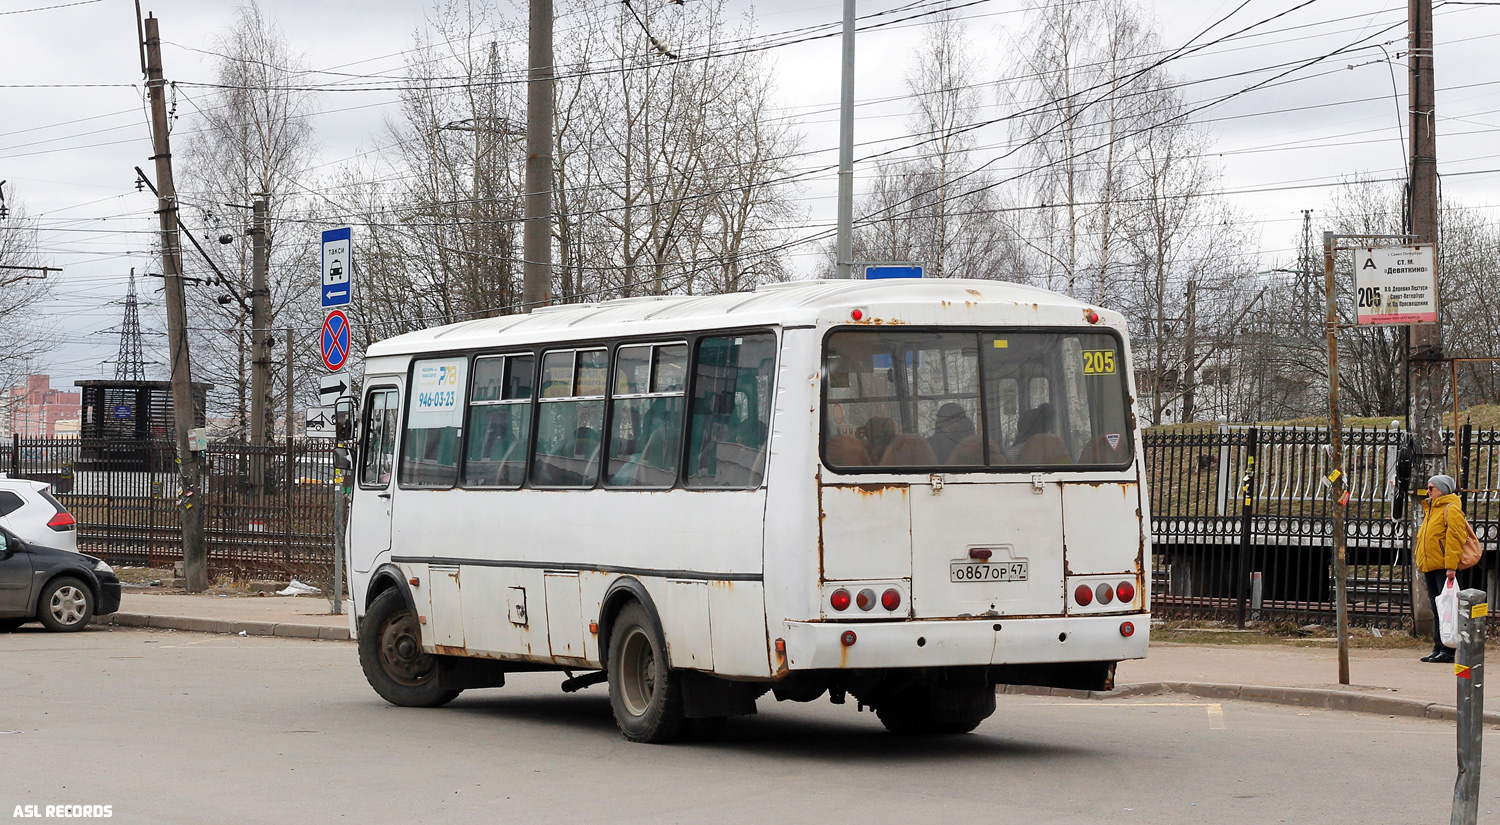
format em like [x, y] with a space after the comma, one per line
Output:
[920, 400]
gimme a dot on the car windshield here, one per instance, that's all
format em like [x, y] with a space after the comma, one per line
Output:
[920, 400]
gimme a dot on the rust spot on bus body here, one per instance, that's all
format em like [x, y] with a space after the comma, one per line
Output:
[976, 293]
[450, 650]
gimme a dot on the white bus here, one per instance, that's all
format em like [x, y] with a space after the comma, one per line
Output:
[908, 491]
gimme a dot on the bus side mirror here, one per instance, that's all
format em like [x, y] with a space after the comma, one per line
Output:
[343, 458]
[343, 420]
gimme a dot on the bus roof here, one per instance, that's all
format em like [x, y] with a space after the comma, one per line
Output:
[795, 303]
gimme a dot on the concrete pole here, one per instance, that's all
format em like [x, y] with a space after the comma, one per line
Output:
[184, 408]
[844, 248]
[260, 350]
[536, 240]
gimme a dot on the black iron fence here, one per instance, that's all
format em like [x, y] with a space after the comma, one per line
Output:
[1242, 523]
[268, 510]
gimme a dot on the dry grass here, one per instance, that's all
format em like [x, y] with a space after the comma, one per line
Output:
[1274, 633]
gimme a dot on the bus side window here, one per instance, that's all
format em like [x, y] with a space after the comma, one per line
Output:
[646, 434]
[499, 421]
[434, 421]
[377, 452]
[730, 417]
[570, 415]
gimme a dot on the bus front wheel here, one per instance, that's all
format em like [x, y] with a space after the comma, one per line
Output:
[391, 655]
[644, 693]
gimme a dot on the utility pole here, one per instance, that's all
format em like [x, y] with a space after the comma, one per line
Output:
[1426, 339]
[844, 247]
[1425, 352]
[260, 348]
[536, 241]
[184, 409]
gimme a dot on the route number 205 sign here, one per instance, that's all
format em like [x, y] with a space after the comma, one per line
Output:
[1395, 285]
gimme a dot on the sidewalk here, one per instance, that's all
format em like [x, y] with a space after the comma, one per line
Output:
[1390, 682]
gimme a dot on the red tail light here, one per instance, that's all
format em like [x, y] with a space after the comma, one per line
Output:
[1084, 595]
[1126, 591]
[62, 521]
[1127, 629]
[840, 599]
[848, 638]
[890, 599]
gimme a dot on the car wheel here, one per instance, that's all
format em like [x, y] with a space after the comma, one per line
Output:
[644, 693]
[391, 655]
[7, 625]
[66, 604]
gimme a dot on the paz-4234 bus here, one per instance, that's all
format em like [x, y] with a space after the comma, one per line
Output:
[908, 492]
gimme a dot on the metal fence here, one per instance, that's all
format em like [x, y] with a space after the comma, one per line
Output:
[1242, 526]
[268, 510]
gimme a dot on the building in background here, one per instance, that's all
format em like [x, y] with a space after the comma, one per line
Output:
[35, 408]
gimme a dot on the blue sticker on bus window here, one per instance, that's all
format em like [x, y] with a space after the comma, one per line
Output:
[881, 361]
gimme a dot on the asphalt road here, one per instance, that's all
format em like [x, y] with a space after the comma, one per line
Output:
[188, 728]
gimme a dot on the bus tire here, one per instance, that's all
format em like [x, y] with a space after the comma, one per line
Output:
[644, 693]
[391, 655]
[937, 711]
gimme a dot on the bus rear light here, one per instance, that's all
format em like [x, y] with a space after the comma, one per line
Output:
[856, 315]
[1091, 316]
[840, 599]
[865, 599]
[1126, 591]
[890, 599]
[1127, 629]
[1104, 593]
[1083, 595]
[848, 638]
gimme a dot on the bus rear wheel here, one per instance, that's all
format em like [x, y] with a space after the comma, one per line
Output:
[937, 710]
[644, 693]
[391, 655]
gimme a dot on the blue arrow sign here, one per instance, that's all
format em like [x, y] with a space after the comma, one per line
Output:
[338, 268]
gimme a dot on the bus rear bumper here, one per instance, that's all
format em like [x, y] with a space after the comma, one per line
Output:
[957, 642]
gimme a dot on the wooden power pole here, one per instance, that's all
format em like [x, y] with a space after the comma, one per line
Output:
[1425, 352]
[184, 408]
[536, 240]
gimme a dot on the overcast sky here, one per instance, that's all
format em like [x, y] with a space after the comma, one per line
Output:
[73, 124]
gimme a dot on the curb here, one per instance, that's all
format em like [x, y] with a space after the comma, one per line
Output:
[1296, 697]
[233, 627]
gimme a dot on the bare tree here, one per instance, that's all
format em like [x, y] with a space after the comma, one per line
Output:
[22, 336]
[253, 136]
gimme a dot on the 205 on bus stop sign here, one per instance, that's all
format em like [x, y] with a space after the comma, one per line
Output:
[1395, 284]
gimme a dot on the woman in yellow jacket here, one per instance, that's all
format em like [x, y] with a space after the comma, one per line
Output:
[1440, 542]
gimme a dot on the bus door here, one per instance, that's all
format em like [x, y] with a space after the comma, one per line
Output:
[370, 515]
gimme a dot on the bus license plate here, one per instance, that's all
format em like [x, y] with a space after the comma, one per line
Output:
[1004, 571]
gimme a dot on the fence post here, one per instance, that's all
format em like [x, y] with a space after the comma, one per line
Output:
[1247, 511]
[15, 455]
[1472, 608]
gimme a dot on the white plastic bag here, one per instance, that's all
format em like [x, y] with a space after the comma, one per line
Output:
[1447, 613]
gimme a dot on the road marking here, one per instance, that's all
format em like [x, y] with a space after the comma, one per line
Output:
[1215, 710]
[1216, 717]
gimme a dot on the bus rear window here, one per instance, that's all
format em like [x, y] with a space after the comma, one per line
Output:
[956, 400]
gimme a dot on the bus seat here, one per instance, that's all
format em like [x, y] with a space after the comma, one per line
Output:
[847, 451]
[1045, 448]
[908, 450]
[970, 453]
